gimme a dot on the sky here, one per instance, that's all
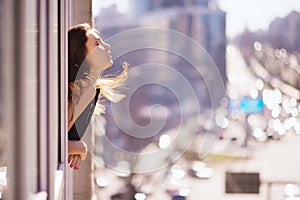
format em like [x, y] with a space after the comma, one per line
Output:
[253, 14]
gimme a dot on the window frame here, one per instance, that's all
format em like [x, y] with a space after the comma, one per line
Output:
[35, 71]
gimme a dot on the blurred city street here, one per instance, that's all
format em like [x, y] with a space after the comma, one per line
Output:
[274, 159]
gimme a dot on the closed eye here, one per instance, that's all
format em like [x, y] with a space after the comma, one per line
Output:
[98, 41]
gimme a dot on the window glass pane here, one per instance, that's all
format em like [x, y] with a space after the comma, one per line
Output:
[3, 139]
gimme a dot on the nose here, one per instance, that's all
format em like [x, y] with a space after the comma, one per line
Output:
[106, 46]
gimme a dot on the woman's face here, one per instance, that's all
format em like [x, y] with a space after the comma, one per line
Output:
[103, 51]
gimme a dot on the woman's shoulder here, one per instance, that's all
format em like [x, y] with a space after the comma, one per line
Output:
[82, 88]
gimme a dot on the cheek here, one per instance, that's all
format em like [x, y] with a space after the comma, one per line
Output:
[88, 49]
[102, 51]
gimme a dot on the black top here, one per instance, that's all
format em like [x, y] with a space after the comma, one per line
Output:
[79, 127]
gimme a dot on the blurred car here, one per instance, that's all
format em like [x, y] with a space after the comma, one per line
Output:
[178, 193]
[292, 192]
[178, 197]
[200, 170]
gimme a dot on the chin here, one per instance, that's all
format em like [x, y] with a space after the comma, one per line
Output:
[110, 63]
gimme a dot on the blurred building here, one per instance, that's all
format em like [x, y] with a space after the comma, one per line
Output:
[198, 19]
[194, 18]
[284, 32]
[137, 6]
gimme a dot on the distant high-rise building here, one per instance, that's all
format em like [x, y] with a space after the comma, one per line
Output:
[202, 2]
[284, 32]
[140, 6]
[206, 26]
[171, 3]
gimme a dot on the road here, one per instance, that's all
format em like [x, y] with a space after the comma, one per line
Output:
[273, 160]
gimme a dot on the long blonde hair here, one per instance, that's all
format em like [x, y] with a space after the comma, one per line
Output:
[110, 88]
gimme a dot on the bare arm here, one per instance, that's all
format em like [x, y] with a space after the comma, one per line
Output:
[85, 94]
[84, 91]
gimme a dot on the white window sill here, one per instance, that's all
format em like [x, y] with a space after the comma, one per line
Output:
[59, 183]
[3, 180]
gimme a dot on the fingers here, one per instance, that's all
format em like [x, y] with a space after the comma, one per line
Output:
[77, 153]
[74, 161]
[77, 165]
[70, 158]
